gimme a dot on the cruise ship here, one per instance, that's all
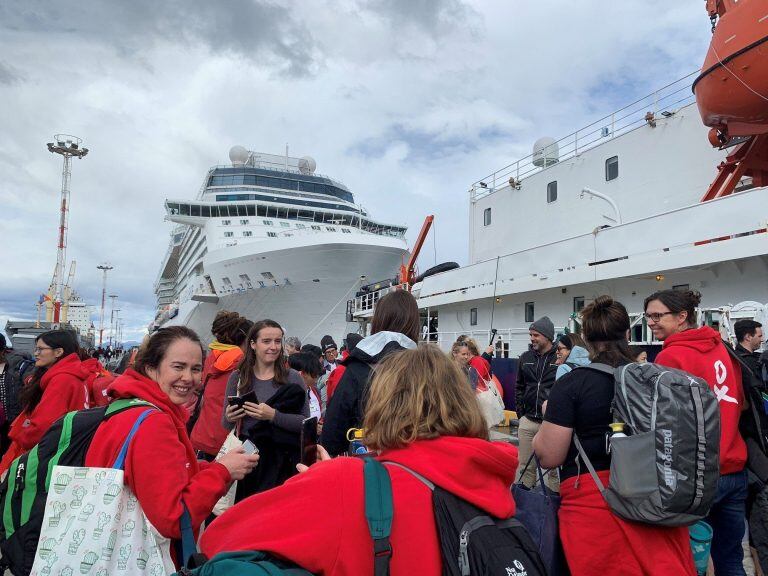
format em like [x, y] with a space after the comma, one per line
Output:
[268, 237]
[617, 208]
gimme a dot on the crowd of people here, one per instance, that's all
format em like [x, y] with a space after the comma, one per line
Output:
[415, 408]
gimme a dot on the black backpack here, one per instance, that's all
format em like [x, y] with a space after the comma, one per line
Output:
[473, 543]
[24, 491]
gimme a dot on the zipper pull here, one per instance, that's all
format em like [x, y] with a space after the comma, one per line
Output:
[463, 556]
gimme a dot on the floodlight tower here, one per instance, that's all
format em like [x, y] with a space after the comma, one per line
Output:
[104, 268]
[68, 146]
[112, 297]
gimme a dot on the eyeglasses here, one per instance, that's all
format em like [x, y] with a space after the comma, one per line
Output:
[656, 316]
[38, 350]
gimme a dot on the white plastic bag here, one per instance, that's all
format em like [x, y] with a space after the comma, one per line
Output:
[491, 403]
[94, 525]
[232, 442]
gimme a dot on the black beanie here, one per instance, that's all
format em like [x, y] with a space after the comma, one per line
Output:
[327, 343]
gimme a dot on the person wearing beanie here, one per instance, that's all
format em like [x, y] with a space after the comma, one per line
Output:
[536, 372]
[330, 353]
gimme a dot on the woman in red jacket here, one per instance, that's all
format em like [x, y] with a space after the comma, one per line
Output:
[160, 467]
[230, 330]
[671, 315]
[420, 413]
[57, 386]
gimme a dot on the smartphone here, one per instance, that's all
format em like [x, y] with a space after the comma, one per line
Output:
[240, 400]
[250, 447]
[309, 441]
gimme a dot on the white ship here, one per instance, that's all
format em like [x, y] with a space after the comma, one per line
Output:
[614, 208]
[269, 238]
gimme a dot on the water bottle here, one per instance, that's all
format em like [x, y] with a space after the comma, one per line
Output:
[617, 429]
[356, 445]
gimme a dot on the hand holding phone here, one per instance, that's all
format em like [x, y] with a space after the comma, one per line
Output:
[309, 441]
[250, 447]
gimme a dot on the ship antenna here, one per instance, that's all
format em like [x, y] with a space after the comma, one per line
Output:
[493, 302]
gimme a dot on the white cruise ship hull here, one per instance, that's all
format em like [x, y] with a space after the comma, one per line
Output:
[300, 283]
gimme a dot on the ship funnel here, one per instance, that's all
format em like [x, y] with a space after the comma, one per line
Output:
[546, 152]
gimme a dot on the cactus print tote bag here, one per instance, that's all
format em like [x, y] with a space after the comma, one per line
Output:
[94, 525]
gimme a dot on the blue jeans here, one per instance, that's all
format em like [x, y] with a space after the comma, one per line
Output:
[727, 520]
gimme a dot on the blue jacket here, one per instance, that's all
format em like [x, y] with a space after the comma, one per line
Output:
[578, 356]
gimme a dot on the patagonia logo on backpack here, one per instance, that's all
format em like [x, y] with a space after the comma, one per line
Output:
[665, 470]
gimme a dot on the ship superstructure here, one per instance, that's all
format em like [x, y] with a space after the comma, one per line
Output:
[268, 237]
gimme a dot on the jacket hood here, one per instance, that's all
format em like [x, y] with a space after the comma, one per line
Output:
[478, 471]
[703, 340]
[133, 385]
[374, 347]
[226, 360]
[70, 364]
[578, 356]
[91, 366]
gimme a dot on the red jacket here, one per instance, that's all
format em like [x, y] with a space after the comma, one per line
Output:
[160, 467]
[64, 389]
[702, 353]
[208, 434]
[326, 533]
[335, 377]
[98, 380]
[482, 366]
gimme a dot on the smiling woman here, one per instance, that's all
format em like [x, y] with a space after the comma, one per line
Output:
[167, 372]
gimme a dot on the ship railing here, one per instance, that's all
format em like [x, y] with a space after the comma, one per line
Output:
[362, 305]
[663, 102]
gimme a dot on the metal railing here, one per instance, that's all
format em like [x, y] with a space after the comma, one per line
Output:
[646, 110]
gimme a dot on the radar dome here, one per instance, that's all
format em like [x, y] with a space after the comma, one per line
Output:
[307, 165]
[238, 155]
[546, 152]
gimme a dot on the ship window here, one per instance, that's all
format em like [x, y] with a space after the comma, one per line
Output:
[245, 278]
[206, 211]
[244, 222]
[346, 231]
[228, 234]
[184, 209]
[487, 217]
[473, 316]
[612, 168]
[241, 211]
[552, 192]
[284, 224]
[300, 226]
[578, 303]
[268, 275]
[268, 223]
[315, 227]
[529, 311]
[227, 281]
[251, 209]
[330, 229]
[214, 211]
[681, 287]
[272, 234]
[247, 233]
[226, 222]
[261, 210]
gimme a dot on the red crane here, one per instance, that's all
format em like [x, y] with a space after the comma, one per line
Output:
[407, 271]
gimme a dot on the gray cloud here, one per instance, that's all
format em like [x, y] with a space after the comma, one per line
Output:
[438, 17]
[8, 75]
[256, 31]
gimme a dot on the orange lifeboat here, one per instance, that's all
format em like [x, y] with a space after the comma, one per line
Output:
[732, 89]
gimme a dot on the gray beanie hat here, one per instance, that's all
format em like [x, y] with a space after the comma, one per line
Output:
[544, 327]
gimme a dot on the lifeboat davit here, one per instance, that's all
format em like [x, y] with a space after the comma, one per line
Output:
[732, 89]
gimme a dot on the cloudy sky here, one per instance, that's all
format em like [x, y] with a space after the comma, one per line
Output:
[405, 101]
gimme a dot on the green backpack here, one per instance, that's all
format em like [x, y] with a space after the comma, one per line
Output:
[378, 512]
[24, 491]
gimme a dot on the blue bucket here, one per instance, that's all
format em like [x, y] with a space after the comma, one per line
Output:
[701, 543]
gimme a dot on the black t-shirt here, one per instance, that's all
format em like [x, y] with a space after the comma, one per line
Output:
[581, 400]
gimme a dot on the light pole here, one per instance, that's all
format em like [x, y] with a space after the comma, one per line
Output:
[104, 268]
[67, 146]
[111, 317]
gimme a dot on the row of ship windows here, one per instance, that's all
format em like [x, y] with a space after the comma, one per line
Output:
[280, 183]
[249, 233]
[611, 173]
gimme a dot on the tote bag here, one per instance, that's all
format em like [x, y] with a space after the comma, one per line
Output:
[232, 442]
[536, 508]
[491, 403]
[94, 525]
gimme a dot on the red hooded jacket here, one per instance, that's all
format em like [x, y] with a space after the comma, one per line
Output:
[208, 434]
[160, 466]
[335, 377]
[98, 380]
[701, 352]
[326, 533]
[64, 389]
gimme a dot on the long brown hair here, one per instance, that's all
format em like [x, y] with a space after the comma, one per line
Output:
[397, 312]
[248, 363]
[32, 392]
[420, 394]
[605, 323]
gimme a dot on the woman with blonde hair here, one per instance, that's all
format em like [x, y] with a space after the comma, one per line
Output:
[420, 414]
[461, 355]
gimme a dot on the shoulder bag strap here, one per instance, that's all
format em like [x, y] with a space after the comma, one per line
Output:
[591, 468]
[378, 513]
[120, 461]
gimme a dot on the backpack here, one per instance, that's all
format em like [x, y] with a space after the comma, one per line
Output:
[665, 471]
[473, 543]
[24, 490]
[244, 563]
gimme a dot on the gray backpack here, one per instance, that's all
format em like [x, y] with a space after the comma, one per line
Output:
[666, 470]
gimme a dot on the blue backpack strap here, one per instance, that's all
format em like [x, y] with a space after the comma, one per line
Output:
[120, 461]
[188, 547]
[378, 513]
